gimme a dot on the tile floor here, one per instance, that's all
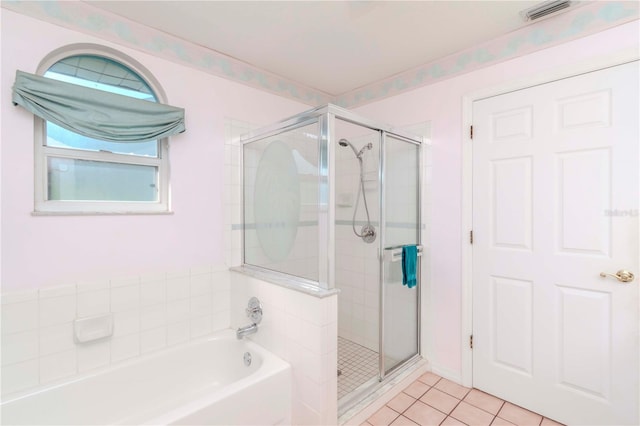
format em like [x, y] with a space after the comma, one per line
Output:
[356, 365]
[432, 400]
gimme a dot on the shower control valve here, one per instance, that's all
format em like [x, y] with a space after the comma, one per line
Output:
[254, 310]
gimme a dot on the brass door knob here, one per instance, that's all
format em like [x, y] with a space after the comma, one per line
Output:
[621, 275]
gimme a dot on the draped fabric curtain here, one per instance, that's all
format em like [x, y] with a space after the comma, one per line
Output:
[95, 113]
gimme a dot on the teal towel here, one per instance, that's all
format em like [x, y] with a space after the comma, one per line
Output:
[409, 262]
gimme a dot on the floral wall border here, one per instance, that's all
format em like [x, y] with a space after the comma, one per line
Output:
[88, 19]
[580, 22]
[587, 19]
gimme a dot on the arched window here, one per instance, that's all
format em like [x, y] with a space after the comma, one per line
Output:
[76, 173]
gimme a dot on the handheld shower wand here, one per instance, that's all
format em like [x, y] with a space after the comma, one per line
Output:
[368, 232]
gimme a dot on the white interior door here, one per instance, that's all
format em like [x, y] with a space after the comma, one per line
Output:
[555, 203]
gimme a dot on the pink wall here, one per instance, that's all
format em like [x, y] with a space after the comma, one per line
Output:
[50, 250]
[441, 103]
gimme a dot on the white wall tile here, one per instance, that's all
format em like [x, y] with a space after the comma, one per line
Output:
[125, 347]
[18, 347]
[126, 322]
[19, 296]
[221, 300]
[310, 393]
[310, 338]
[201, 305]
[57, 291]
[57, 338]
[201, 284]
[152, 340]
[93, 303]
[177, 311]
[125, 298]
[200, 326]
[58, 366]
[177, 332]
[93, 355]
[93, 285]
[153, 277]
[178, 288]
[221, 320]
[180, 273]
[57, 310]
[305, 415]
[21, 316]
[200, 270]
[152, 293]
[125, 281]
[149, 314]
[153, 316]
[23, 375]
[221, 280]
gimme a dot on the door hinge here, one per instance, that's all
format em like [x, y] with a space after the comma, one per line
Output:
[471, 132]
[471, 237]
[471, 341]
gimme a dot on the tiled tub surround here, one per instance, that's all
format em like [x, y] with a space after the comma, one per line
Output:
[202, 382]
[302, 330]
[150, 312]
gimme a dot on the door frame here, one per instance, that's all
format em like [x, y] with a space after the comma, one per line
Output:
[553, 74]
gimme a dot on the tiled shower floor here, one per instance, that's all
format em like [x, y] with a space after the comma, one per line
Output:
[356, 365]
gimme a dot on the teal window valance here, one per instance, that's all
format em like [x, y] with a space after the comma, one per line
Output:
[95, 113]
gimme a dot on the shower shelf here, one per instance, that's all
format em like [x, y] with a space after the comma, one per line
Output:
[394, 254]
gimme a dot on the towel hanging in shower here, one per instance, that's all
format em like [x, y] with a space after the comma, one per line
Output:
[409, 262]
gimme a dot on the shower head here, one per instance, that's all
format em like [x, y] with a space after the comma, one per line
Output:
[344, 142]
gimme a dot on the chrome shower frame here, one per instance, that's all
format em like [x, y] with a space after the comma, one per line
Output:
[325, 117]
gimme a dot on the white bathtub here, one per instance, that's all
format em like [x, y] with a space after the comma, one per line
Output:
[202, 382]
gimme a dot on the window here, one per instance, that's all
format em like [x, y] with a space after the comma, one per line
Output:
[80, 174]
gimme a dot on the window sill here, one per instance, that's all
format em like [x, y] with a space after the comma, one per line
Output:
[90, 213]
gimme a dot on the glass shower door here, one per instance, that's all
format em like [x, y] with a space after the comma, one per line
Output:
[400, 220]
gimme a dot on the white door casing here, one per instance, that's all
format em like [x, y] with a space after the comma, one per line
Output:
[555, 202]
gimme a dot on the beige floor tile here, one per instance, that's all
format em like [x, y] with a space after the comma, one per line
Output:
[429, 378]
[549, 422]
[383, 417]
[366, 424]
[401, 402]
[424, 415]
[440, 400]
[403, 421]
[416, 389]
[519, 416]
[471, 415]
[452, 388]
[501, 422]
[450, 421]
[484, 401]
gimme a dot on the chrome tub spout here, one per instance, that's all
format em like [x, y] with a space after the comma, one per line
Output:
[246, 330]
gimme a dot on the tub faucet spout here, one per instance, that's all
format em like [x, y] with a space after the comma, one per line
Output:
[246, 330]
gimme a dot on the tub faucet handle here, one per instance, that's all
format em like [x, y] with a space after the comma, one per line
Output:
[254, 310]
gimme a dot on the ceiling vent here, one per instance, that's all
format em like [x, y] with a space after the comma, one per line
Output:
[544, 9]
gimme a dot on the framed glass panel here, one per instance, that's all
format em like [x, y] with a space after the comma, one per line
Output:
[401, 227]
[281, 202]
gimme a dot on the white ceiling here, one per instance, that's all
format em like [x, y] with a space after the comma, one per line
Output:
[332, 46]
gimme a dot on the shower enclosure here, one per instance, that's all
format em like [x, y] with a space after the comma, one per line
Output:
[329, 200]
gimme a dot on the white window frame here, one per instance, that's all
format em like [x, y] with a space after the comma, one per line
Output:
[42, 152]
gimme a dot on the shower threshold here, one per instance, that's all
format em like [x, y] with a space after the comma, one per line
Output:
[371, 390]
